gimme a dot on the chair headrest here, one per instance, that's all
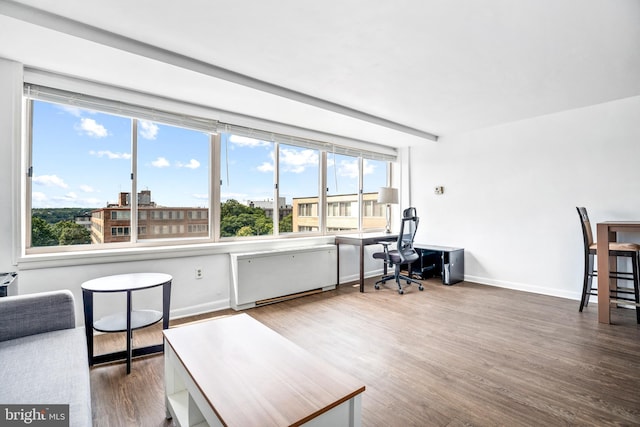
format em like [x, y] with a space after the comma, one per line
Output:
[409, 213]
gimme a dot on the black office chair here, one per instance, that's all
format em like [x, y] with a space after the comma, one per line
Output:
[629, 250]
[404, 252]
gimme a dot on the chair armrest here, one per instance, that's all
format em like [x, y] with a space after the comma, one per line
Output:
[32, 314]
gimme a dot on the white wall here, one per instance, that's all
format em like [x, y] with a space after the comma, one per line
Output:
[10, 102]
[511, 193]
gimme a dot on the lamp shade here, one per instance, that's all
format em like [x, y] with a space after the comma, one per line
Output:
[388, 195]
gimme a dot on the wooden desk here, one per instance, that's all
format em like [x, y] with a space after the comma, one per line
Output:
[131, 319]
[235, 371]
[361, 240]
[607, 232]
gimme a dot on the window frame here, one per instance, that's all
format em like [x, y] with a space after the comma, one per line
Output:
[214, 183]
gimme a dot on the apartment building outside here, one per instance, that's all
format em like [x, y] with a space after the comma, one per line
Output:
[342, 213]
[113, 223]
[267, 207]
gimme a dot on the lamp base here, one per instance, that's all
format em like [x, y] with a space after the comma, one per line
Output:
[388, 227]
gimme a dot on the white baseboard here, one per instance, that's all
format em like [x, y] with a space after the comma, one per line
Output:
[200, 309]
[524, 287]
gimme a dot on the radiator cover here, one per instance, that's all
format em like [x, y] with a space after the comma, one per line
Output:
[264, 275]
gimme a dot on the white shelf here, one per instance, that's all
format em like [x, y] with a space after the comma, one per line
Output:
[118, 322]
[179, 408]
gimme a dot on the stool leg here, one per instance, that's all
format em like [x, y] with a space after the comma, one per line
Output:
[587, 281]
[636, 281]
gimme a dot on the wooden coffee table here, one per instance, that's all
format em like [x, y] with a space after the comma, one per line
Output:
[235, 371]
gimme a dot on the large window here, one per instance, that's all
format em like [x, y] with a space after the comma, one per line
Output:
[299, 189]
[343, 174]
[80, 165]
[173, 178]
[103, 173]
[374, 176]
[247, 193]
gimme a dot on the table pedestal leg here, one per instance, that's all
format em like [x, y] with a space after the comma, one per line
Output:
[129, 332]
[361, 268]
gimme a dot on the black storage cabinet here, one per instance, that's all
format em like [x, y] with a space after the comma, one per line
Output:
[439, 261]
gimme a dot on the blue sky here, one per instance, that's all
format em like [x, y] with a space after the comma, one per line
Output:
[82, 158]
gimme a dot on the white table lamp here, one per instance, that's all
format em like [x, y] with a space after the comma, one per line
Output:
[388, 196]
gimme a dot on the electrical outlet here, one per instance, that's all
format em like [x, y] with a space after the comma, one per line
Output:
[439, 190]
[199, 273]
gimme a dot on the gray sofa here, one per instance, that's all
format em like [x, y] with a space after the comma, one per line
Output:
[43, 355]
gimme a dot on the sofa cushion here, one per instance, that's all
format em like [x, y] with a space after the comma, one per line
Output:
[49, 368]
[31, 314]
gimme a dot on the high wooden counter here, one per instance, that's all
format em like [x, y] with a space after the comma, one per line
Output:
[607, 232]
[235, 371]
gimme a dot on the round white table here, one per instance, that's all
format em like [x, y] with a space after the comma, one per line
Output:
[131, 319]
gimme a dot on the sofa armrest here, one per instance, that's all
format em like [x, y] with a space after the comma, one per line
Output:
[31, 314]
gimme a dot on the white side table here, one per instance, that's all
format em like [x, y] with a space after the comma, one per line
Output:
[131, 319]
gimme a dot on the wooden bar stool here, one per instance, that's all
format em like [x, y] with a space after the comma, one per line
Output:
[629, 250]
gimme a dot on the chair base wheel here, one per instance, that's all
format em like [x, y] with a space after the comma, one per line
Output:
[421, 288]
[400, 291]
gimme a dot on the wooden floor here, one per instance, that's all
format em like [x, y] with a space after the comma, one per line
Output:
[462, 355]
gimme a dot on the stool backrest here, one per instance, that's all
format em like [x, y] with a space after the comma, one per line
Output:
[587, 233]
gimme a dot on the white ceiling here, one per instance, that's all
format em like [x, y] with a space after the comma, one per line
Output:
[436, 66]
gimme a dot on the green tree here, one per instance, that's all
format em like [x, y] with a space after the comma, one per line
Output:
[42, 233]
[262, 224]
[236, 217]
[286, 225]
[245, 231]
[70, 233]
[232, 208]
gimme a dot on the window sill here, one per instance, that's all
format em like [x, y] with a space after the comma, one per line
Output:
[104, 256]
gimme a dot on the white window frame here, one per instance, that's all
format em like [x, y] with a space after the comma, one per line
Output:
[202, 117]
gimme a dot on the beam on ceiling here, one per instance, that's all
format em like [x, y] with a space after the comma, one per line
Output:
[84, 31]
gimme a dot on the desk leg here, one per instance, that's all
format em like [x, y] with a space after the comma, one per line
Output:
[129, 333]
[604, 236]
[338, 264]
[361, 267]
[87, 300]
[166, 303]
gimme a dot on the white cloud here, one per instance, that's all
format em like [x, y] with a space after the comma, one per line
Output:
[200, 196]
[160, 162]
[92, 128]
[243, 141]
[193, 164]
[367, 167]
[266, 167]
[37, 196]
[110, 154]
[234, 196]
[348, 168]
[296, 161]
[40, 200]
[148, 130]
[74, 111]
[94, 202]
[49, 181]
[87, 188]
